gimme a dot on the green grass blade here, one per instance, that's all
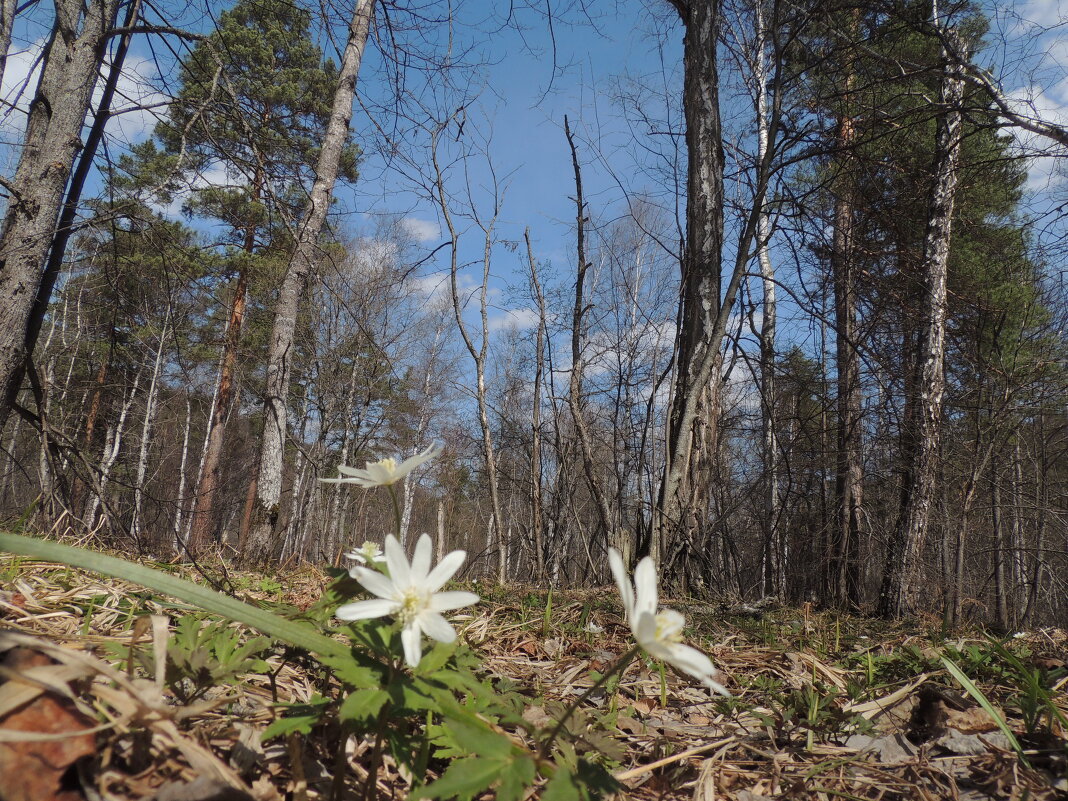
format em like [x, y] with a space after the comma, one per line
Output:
[298, 634]
[977, 694]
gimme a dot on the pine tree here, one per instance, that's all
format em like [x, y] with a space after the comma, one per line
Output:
[253, 105]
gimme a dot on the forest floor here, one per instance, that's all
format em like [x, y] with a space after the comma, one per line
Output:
[824, 706]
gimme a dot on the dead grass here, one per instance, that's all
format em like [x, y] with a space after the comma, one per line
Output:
[824, 707]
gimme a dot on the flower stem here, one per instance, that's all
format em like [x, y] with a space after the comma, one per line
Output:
[618, 667]
[396, 510]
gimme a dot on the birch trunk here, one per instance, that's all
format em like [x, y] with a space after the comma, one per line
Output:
[903, 583]
[263, 535]
[479, 353]
[774, 560]
[146, 431]
[537, 513]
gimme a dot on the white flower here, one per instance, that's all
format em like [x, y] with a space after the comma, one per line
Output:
[659, 633]
[410, 594]
[384, 472]
[370, 553]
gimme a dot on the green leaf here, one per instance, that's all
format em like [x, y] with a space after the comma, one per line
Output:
[481, 740]
[299, 718]
[977, 694]
[561, 787]
[463, 778]
[207, 599]
[436, 658]
[363, 705]
[516, 778]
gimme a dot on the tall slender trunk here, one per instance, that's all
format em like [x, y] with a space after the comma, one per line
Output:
[179, 503]
[844, 557]
[1001, 551]
[613, 537]
[537, 512]
[774, 557]
[202, 529]
[146, 430]
[112, 447]
[479, 353]
[903, 580]
[263, 535]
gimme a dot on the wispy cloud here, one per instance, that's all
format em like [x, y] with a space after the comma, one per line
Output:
[135, 109]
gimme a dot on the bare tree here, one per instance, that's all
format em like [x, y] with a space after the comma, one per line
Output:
[52, 141]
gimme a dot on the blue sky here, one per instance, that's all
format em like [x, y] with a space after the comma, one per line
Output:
[522, 96]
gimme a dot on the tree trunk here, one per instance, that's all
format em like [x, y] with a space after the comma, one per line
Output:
[844, 557]
[71, 61]
[700, 333]
[202, 530]
[773, 563]
[574, 395]
[537, 513]
[903, 583]
[263, 536]
[146, 431]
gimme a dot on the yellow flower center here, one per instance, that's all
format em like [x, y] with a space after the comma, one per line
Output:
[669, 625]
[413, 601]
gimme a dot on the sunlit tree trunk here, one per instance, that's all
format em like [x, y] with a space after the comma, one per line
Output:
[903, 582]
[263, 534]
[574, 395]
[696, 391]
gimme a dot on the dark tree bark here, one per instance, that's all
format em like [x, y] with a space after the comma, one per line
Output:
[71, 61]
[695, 385]
[844, 579]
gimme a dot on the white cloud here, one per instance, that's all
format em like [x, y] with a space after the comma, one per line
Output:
[1043, 13]
[422, 231]
[134, 110]
[1046, 169]
[515, 319]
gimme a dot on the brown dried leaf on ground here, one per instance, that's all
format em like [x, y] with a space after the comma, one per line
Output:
[33, 766]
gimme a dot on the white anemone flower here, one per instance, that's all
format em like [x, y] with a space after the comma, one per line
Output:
[659, 633]
[384, 472]
[410, 594]
[370, 553]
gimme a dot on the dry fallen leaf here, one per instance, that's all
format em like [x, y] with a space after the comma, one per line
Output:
[34, 768]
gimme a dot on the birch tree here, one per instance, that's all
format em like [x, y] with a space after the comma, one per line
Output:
[336, 157]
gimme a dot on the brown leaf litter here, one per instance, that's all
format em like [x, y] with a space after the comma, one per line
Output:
[76, 722]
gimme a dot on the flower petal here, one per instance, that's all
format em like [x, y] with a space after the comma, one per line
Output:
[374, 582]
[413, 650]
[408, 465]
[695, 663]
[421, 559]
[351, 471]
[619, 572]
[446, 601]
[399, 570]
[644, 628]
[436, 626]
[445, 570]
[645, 587]
[365, 610]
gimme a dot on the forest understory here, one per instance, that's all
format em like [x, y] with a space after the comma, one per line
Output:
[823, 705]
